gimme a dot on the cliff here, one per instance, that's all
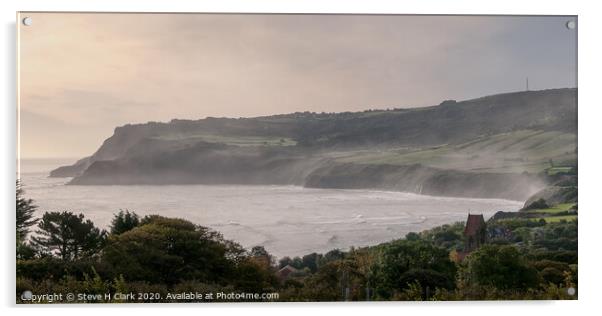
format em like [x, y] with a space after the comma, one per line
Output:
[494, 146]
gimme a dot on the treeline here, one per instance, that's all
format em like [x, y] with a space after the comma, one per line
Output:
[154, 254]
[524, 259]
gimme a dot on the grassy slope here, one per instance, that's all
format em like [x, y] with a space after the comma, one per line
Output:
[518, 151]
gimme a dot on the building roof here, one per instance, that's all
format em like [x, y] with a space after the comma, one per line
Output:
[474, 223]
[286, 270]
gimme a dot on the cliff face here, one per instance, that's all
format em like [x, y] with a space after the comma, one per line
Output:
[425, 180]
[71, 171]
[312, 172]
[204, 163]
[112, 148]
[306, 148]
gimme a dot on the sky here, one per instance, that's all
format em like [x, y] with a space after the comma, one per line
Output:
[82, 75]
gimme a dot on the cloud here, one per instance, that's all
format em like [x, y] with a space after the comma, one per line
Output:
[110, 69]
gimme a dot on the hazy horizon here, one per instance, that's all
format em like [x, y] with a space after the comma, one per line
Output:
[82, 75]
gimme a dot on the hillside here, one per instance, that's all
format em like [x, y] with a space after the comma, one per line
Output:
[494, 146]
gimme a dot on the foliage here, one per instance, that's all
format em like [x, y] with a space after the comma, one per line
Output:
[404, 262]
[167, 250]
[25, 211]
[25, 219]
[311, 261]
[446, 236]
[254, 277]
[502, 267]
[124, 221]
[526, 260]
[69, 235]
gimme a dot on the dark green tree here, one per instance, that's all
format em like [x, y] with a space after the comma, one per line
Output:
[67, 235]
[412, 236]
[311, 261]
[330, 256]
[124, 221]
[254, 275]
[297, 263]
[259, 251]
[336, 280]
[25, 213]
[501, 267]
[169, 250]
[404, 262]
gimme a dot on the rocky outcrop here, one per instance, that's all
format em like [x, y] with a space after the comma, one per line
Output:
[74, 170]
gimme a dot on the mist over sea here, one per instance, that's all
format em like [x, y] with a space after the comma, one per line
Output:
[286, 220]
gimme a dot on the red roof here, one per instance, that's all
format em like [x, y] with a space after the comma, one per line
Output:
[285, 271]
[473, 224]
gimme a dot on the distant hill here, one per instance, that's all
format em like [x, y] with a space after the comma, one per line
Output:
[508, 138]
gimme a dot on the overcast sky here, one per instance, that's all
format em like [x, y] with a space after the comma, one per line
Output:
[81, 75]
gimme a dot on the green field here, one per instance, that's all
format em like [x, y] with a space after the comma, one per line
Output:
[555, 170]
[553, 210]
[514, 152]
[550, 215]
[555, 219]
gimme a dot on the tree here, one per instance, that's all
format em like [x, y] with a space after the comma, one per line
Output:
[501, 267]
[428, 279]
[336, 280]
[68, 235]
[253, 276]
[259, 251]
[311, 261]
[25, 219]
[261, 256]
[284, 262]
[25, 211]
[412, 236]
[124, 221]
[169, 250]
[297, 263]
[405, 262]
[330, 256]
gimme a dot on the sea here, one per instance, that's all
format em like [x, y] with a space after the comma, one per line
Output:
[286, 220]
